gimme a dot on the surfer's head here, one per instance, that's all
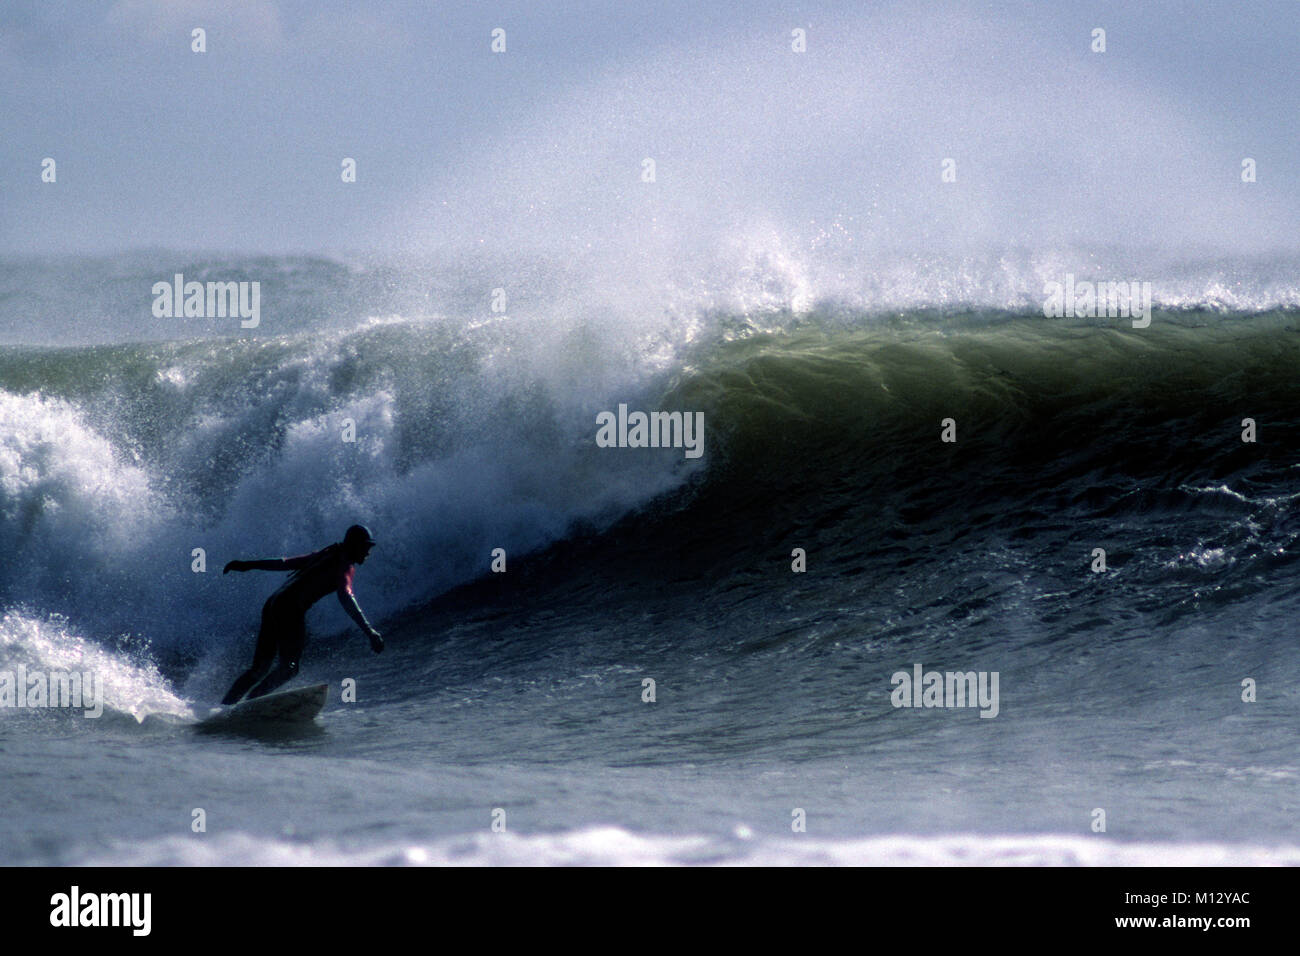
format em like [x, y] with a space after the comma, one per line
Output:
[357, 543]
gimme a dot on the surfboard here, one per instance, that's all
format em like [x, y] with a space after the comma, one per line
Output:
[298, 705]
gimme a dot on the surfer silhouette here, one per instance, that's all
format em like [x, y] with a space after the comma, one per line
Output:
[284, 626]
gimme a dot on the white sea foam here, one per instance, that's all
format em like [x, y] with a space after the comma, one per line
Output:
[131, 684]
[613, 846]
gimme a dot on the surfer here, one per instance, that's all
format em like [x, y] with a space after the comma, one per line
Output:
[284, 628]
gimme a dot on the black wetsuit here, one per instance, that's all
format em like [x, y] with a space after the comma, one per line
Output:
[284, 628]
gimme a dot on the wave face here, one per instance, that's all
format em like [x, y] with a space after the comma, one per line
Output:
[975, 555]
[475, 430]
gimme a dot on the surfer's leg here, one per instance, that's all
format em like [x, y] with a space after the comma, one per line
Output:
[284, 672]
[293, 637]
[263, 658]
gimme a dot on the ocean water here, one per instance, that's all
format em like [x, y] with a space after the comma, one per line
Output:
[127, 441]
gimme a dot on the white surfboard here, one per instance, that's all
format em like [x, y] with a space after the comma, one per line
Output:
[298, 705]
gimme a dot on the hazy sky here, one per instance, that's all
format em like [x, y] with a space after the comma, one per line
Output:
[239, 148]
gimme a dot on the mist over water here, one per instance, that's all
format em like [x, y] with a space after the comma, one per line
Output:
[819, 173]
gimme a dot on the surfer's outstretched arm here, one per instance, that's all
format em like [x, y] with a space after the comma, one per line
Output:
[349, 602]
[269, 564]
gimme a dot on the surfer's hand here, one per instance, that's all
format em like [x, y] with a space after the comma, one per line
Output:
[234, 566]
[376, 642]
